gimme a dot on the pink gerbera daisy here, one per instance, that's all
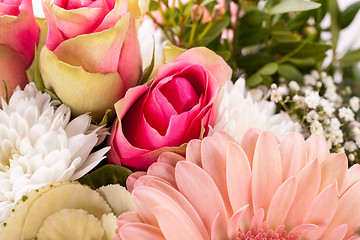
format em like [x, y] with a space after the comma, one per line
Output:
[262, 188]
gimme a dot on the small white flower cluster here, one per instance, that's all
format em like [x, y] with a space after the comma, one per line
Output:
[322, 110]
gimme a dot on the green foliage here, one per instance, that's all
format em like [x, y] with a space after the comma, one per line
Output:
[282, 38]
[108, 174]
[286, 6]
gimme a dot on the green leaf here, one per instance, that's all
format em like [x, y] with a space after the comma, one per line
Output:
[108, 174]
[303, 62]
[334, 11]
[309, 49]
[290, 72]
[106, 118]
[214, 31]
[147, 73]
[251, 30]
[252, 62]
[6, 92]
[347, 16]
[38, 80]
[154, 5]
[224, 54]
[206, 2]
[254, 80]
[351, 57]
[286, 6]
[268, 69]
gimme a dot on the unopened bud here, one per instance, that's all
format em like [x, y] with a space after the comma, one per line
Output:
[196, 12]
[218, 12]
[309, 30]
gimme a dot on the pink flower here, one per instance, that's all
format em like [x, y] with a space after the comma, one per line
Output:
[18, 36]
[263, 188]
[92, 54]
[174, 109]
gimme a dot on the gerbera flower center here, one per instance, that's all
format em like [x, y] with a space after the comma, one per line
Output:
[263, 234]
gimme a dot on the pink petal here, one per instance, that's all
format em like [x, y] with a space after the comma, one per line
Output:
[322, 210]
[171, 158]
[163, 171]
[235, 222]
[214, 63]
[267, 171]
[301, 229]
[238, 177]
[213, 157]
[248, 143]
[293, 154]
[133, 231]
[12, 70]
[20, 33]
[128, 217]
[146, 199]
[130, 62]
[193, 152]
[175, 225]
[120, 9]
[258, 219]
[219, 228]
[335, 167]
[348, 211]
[352, 177]
[281, 203]
[308, 182]
[337, 233]
[72, 23]
[201, 191]
[317, 148]
[223, 138]
[176, 196]
[130, 181]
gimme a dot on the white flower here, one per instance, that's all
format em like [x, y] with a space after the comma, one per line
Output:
[236, 111]
[327, 80]
[315, 74]
[294, 86]
[40, 146]
[316, 128]
[346, 113]
[354, 103]
[276, 96]
[335, 124]
[312, 99]
[350, 146]
[309, 80]
[351, 157]
[312, 116]
[331, 94]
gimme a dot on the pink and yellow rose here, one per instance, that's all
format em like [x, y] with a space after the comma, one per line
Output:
[18, 36]
[91, 55]
[174, 109]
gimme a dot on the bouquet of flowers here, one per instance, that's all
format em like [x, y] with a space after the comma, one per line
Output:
[203, 119]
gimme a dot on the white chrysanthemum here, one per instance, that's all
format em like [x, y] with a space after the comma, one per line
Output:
[236, 111]
[39, 145]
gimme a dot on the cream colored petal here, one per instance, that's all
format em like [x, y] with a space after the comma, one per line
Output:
[82, 91]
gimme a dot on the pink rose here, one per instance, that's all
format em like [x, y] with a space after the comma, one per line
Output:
[92, 54]
[18, 36]
[174, 109]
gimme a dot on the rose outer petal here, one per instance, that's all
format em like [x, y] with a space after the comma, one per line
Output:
[82, 91]
[12, 70]
[105, 49]
[21, 32]
[202, 56]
